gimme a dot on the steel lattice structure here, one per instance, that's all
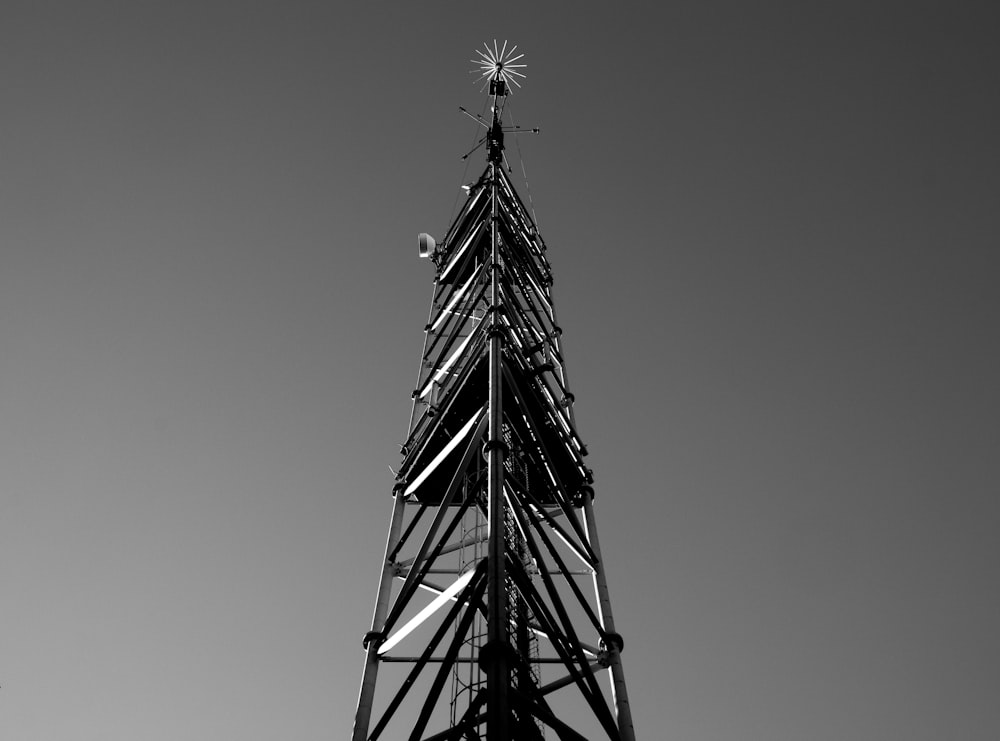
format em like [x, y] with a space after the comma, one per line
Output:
[480, 609]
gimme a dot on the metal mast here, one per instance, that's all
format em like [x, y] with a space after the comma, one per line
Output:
[494, 654]
[493, 520]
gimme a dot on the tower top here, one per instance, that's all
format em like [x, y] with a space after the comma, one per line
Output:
[499, 68]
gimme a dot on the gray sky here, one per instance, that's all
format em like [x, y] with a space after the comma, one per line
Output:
[774, 235]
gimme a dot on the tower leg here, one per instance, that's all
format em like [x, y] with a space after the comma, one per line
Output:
[619, 692]
[367, 694]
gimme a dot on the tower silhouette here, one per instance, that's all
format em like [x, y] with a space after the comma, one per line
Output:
[484, 626]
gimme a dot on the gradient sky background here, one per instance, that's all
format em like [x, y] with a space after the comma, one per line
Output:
[774, 231]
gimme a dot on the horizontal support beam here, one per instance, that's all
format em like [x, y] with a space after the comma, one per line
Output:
[465, 543]
[587, 648]
[463, 569]
[458, 660]
[595, 666]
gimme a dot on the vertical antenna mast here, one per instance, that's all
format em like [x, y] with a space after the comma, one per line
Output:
[495, 654]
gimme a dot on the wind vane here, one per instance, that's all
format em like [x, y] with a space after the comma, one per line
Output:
[497, 65]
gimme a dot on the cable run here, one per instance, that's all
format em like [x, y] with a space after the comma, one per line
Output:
[465, 172]
[524, 174]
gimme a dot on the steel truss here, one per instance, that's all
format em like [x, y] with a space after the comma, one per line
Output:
[493, 513]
